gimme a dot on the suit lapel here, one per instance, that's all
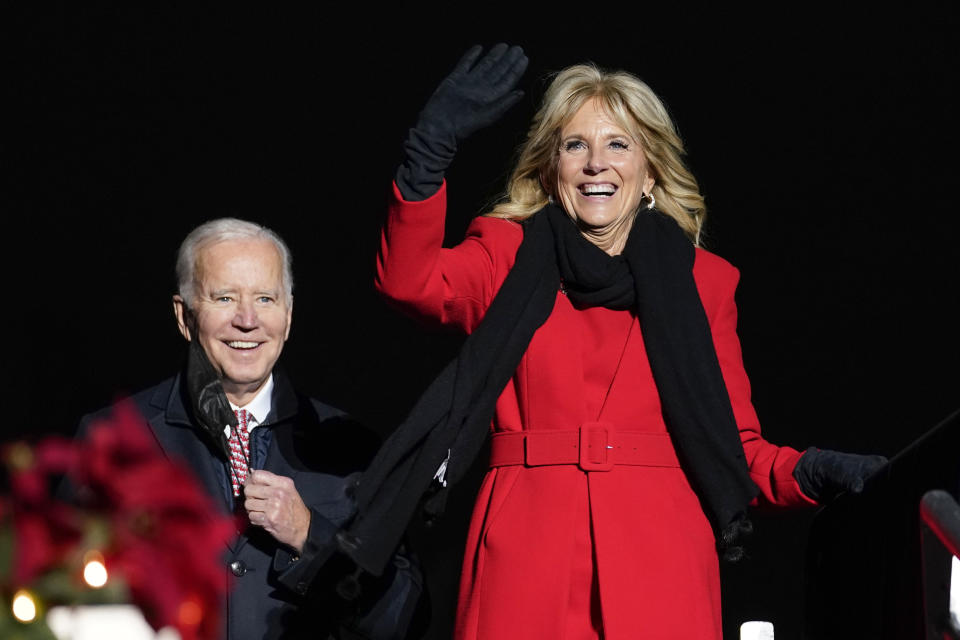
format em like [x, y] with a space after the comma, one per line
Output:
[181, 442]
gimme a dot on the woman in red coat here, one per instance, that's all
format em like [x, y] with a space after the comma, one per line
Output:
[625, 449]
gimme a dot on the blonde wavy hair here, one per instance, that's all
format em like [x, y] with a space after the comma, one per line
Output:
[638, 110]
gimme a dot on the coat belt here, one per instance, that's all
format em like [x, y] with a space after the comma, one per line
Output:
[595, 446]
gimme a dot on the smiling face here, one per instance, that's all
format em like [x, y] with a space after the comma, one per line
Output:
[602, 173]
[240, 314]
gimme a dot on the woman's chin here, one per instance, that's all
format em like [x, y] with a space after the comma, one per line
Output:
[598, 221]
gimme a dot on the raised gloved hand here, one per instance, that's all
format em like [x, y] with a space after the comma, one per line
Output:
[474, 95]
[823, 474]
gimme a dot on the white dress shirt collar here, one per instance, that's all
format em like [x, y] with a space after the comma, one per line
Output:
[258, 408]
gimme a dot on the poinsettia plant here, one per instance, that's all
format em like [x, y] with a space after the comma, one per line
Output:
[112, 498]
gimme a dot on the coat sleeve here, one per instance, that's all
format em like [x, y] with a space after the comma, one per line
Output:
[449, 287]
[392, 606]
[384, 607]
[387, 607]
[771, 467]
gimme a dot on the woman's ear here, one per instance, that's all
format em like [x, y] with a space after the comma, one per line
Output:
[649, 183]
[545, 184]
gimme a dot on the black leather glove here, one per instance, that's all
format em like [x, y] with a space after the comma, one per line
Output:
[731, 543]
[474, 95]
[823, 474]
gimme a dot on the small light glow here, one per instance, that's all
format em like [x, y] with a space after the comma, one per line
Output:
[190, 614]
[95, 574]
[24, 608]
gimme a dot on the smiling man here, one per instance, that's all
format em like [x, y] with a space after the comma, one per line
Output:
[239, 299]
[276, 459]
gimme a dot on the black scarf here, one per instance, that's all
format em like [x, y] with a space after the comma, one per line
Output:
[654, 275]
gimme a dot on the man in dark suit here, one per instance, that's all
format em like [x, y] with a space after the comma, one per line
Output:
[259, 448]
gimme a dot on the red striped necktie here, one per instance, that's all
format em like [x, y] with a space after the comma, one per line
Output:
[239, 451]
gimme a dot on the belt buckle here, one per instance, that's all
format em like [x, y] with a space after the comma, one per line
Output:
[595, 453]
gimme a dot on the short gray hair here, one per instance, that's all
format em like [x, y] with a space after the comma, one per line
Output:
[221, 230]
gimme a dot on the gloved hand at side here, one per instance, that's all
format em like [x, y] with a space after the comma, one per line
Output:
[474, 95]
[824, 474]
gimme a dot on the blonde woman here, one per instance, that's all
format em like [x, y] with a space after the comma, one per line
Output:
[602, 350]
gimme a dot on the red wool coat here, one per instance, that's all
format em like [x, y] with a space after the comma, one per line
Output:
[547, 541]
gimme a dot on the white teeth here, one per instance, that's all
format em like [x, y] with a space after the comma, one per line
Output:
[598, 189]
[242, 344]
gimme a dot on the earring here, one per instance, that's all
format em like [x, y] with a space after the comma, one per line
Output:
[652, 202]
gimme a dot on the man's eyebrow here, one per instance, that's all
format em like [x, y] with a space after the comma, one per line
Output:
[219, 292]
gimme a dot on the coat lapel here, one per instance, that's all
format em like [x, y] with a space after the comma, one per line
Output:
[622, 340]
[181, 442]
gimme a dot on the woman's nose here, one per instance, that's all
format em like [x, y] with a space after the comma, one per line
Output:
[596, 162]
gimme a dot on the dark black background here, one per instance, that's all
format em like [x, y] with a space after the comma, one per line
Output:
[825, 144]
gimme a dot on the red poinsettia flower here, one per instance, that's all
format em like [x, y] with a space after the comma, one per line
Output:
[46, 529]
[167, 534]
[32, 468]
[45, 537]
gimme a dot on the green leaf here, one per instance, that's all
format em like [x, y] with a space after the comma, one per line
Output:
[114, 592]
[96, 533]
[62, 587]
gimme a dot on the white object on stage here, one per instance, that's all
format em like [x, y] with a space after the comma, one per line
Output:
[756, 630]
[104, 622]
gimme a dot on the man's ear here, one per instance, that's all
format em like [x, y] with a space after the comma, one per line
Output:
[289, 319]
[185, 319]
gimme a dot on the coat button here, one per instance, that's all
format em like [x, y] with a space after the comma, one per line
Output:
[238, 567]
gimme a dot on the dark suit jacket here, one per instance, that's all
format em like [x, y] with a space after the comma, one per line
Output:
[274, 594]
